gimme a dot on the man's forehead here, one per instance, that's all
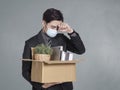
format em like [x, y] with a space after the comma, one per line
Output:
[55, 23]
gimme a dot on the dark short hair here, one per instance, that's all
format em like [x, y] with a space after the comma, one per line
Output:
[52, 14]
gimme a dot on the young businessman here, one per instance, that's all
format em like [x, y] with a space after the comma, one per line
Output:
[53, 23]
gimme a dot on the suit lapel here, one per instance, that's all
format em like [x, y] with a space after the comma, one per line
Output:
[40, 38]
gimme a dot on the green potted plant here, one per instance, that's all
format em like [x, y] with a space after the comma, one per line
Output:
[42, 52]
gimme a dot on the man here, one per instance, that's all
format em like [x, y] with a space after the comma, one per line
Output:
[53, 23]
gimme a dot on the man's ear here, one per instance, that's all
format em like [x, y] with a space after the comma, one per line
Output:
[44, 26]
[43, 23]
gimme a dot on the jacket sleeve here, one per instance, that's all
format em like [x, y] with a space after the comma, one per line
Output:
[26, 66]
[75, 44]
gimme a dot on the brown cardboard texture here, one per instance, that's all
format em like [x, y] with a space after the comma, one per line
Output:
[53, 71]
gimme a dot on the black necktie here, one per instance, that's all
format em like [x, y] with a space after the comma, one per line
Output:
[49, 42]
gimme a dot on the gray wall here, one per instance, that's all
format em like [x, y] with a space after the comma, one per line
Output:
[97, 22]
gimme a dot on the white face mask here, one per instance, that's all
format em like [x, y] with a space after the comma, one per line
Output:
[51, 32]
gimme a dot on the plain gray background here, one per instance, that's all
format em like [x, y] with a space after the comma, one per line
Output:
[97, 22]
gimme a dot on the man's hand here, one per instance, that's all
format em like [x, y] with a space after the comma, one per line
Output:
[64, 27]
[46, 85]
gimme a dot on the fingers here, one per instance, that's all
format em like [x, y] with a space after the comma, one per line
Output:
[64, 27]
[47, 85]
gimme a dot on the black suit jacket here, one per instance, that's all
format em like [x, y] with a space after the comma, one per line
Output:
[74, 44]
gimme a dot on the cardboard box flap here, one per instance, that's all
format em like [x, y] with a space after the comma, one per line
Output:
[61, 62]
[53, 62]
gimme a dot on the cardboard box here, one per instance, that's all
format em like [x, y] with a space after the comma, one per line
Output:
[53, 71]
